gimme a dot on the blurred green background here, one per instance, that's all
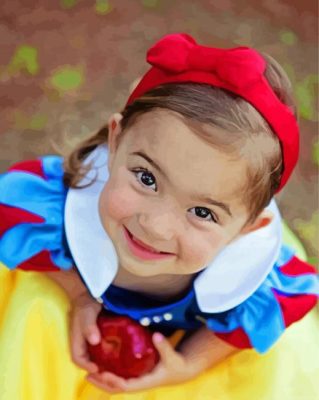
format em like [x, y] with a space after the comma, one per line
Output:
[66, 65]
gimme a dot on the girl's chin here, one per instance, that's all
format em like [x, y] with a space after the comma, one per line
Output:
[141, 271]
[140, 268]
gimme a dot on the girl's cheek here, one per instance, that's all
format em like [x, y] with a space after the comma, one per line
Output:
[118, 203]
[202, 250]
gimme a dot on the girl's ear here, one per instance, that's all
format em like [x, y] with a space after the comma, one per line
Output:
[114, 127]
[263, 219]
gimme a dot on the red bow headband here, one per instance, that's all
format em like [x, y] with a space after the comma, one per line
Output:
[178, 58]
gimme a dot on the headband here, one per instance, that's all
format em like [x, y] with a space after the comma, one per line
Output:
[178, 58]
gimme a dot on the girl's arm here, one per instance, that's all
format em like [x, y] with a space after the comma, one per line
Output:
[203, 350]
[70, 281]
[83, 313]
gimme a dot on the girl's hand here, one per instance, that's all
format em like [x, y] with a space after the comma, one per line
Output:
[171, 369]
[84, 329]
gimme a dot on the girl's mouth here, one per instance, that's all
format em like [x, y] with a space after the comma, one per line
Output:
[142, 250]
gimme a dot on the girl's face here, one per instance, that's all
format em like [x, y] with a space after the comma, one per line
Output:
[172, 191]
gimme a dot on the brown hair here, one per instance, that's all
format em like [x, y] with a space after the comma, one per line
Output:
[248, 134]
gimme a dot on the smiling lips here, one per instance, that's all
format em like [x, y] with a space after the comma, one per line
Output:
[142, 250]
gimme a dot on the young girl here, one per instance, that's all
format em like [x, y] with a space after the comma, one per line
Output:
[167, 216]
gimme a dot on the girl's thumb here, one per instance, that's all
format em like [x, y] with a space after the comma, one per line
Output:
[163, 345]
[92, 334]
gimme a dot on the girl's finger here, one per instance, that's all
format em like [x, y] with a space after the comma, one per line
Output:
[102, 386]
[155, 378]
[113, 379]
[92, 333]
[79, 351]
[87, 321]
[165, 349]
[108, 381]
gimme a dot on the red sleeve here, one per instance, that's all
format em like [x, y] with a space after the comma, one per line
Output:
[11, 216]
[295, 307]
[40, 262]
[236, 338]
[32, 166]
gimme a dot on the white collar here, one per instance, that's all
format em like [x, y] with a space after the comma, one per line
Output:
[236, 272]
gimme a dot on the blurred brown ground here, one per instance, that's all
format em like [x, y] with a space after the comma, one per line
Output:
[66, 65]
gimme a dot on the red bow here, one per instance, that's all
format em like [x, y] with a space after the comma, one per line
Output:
[177, 53]
[177, 58]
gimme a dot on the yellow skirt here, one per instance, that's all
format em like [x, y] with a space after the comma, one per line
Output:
[35, 361]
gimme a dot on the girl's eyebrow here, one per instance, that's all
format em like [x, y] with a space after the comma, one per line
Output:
[152, 162]
[208, 200]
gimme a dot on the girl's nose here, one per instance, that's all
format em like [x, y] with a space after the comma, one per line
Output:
[159, 226]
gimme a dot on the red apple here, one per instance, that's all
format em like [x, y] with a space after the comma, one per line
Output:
[126, 348]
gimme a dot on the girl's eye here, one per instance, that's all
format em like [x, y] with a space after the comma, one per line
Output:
[145, 177]
[205, 214]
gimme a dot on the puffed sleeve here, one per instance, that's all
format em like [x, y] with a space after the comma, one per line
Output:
[289, 292]
[32, 198]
